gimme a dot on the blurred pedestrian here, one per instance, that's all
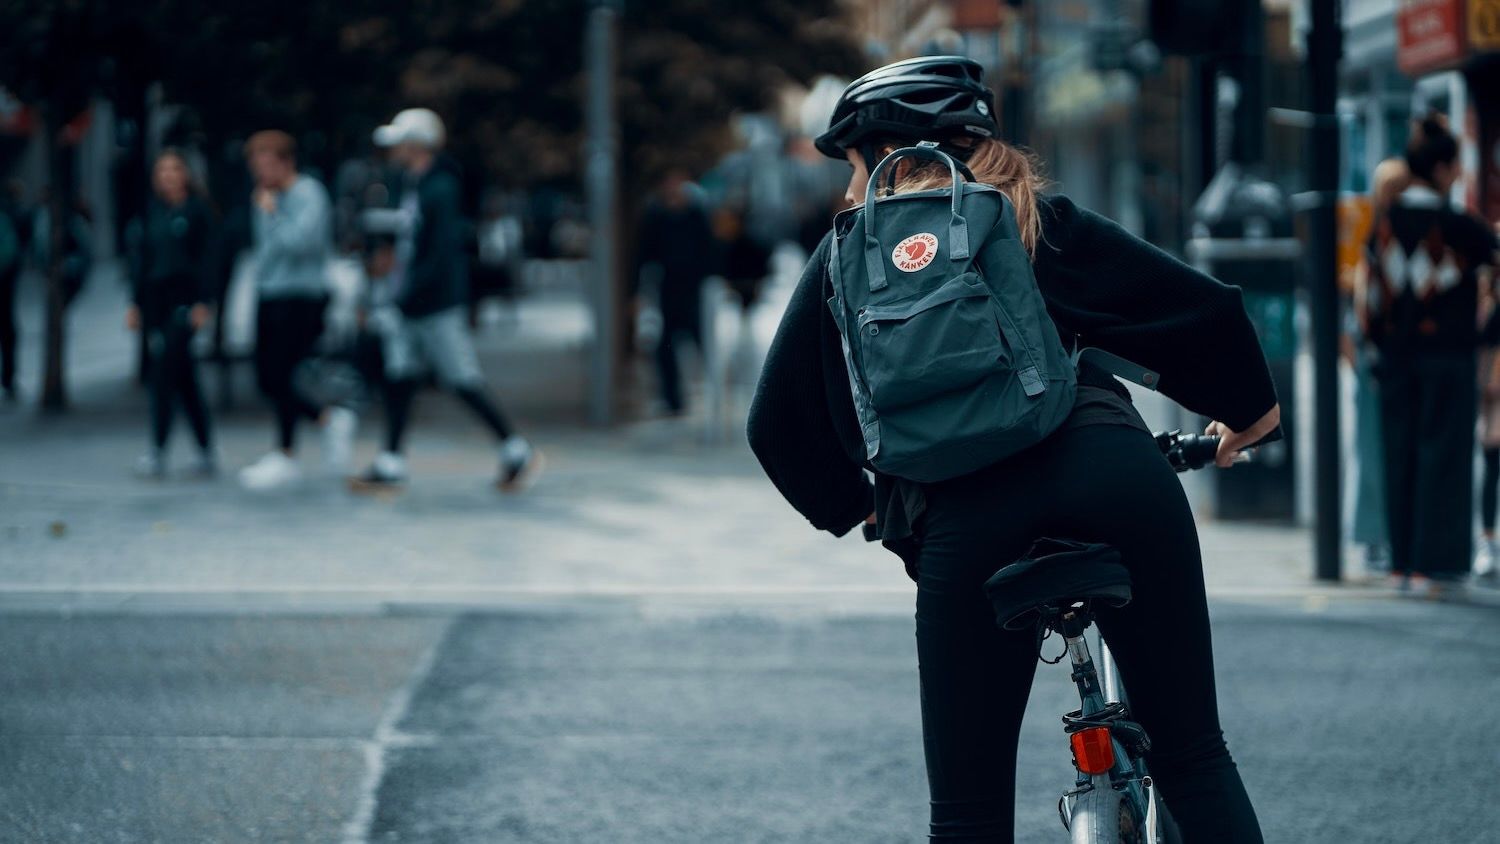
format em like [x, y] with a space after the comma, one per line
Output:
[1368, 526]
[745, 261]
[173, 290]
[1423, 315]
[76, 244]
[425, 327]
[676, 246]
[13, 228]
[291, 231]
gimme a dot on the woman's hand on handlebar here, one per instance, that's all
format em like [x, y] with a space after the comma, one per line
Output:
[1231, 443]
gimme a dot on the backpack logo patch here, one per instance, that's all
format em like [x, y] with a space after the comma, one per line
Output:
[915, 252]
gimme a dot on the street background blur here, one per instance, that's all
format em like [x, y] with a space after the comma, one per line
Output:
[648, 644]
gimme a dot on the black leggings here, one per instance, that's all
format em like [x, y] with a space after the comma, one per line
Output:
[286, 333]
[173, 380]
[1102, 483]
[399, 395]
[674, 332]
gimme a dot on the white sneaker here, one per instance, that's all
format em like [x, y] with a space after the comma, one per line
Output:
[388, 472]
[520, 465]
[1485, 558]
[338, 438]
[151, 466]
[273, 471]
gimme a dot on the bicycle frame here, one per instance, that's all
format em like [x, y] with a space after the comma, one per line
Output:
[1095, 700]
[1114, 692]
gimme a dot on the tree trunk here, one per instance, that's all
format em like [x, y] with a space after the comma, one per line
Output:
[54, 386]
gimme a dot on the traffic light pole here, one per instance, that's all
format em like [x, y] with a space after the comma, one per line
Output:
[1324, 44]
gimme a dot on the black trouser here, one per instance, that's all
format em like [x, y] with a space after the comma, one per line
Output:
[678, 324]
[1488, 486]
[174, 379]
[1427, 405]
[286, 333]
[8, 282]
[1102, 483]
[398, 400]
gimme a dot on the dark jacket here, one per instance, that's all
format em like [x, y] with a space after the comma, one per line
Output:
[1425, 256]
[680, 241]
[1102, 286]
[437, 276]
[171, 262]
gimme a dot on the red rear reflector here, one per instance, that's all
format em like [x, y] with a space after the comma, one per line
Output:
[1093, 752]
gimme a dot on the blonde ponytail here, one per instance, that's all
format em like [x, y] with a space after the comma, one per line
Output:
[1016, 173]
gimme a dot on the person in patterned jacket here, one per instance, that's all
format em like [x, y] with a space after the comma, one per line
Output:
[1423, 313]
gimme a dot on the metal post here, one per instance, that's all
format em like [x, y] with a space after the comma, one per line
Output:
[714, 368]
[1248, 66]
[1324, 43]
[599, 54]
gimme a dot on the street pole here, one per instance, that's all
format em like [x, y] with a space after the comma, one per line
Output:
[60, 186]
[602, 180]
[1324, 44]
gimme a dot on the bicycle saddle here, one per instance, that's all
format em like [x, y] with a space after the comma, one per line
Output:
[1055, 573]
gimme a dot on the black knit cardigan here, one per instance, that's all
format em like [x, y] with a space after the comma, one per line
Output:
[1102, 285]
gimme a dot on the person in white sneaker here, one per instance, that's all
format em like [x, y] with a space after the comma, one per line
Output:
[291, 221]
[423, 324]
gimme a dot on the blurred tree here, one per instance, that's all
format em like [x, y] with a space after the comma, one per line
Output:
[508, 76]
[505, 74]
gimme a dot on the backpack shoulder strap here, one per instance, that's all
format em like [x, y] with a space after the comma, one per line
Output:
[1117, 366]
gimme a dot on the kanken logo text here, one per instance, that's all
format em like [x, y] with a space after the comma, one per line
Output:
[915, 252]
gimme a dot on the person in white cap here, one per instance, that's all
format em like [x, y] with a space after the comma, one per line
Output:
[425, 326]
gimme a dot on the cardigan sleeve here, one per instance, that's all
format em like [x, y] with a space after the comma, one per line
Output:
[790, 427]
[1127, 297]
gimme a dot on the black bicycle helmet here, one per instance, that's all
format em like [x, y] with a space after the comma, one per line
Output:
[930, 98]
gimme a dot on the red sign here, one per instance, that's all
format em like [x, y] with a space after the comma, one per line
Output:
[1429, 35]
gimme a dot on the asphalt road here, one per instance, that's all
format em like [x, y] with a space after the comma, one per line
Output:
[1356, 720]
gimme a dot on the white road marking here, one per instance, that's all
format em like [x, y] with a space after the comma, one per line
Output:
[357, 829]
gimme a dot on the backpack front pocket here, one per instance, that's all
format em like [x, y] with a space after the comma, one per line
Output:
[944, 341]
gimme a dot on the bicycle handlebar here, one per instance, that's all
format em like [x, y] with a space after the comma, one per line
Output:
[1187, 452]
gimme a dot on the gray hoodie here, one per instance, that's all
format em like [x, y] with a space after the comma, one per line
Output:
[293, 244]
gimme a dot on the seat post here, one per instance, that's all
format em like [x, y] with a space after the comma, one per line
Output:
[1072, 623]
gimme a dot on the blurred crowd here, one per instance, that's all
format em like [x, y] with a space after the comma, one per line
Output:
[362, 295]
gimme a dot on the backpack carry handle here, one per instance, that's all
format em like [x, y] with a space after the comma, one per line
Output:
[958, 227]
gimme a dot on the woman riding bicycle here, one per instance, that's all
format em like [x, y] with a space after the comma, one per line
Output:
[1099, 477]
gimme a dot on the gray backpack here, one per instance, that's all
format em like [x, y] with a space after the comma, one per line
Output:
[952, 358]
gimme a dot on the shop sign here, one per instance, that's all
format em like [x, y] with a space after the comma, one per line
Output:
[1429, 35]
